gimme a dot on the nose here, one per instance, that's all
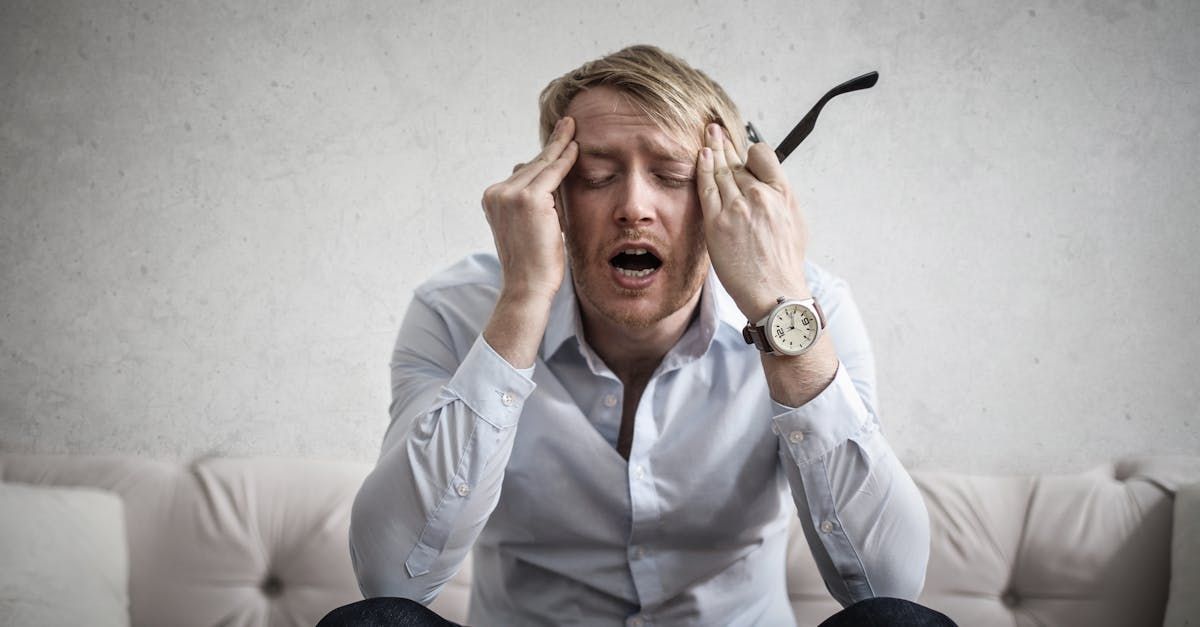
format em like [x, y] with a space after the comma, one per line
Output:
[634, 203]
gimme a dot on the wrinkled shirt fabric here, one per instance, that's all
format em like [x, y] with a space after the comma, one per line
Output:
[519, 468]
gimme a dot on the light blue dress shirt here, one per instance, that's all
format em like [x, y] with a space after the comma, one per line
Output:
[520, 466]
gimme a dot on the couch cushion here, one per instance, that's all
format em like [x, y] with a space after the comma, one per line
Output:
[1082, 549]
[1086, 549]
[64, 556]
[1183, 607]
[223, 541]
[264, 541]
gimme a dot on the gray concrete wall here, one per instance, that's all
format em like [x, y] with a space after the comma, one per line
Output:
[213, 214]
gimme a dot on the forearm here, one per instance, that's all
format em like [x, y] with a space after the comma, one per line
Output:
[862, 515]
[440, 472]
[795, 380]
[841, 469]
[454, 417]
[416, 518]
[517, 325]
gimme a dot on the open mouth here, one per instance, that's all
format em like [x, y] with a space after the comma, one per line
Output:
[635, 263]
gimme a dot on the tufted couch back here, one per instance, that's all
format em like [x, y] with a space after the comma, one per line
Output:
[263, 541]
[223, 541]
[1086, 549]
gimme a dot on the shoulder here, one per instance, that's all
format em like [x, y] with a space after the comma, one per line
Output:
[479, 271]
[467, 289]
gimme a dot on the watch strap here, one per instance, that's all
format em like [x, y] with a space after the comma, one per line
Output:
[755, 334]
[820, 314]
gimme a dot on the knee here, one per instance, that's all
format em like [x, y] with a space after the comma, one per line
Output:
[889, 611]
[372, 612]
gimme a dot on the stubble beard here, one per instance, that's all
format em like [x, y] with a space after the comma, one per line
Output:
[684, 270]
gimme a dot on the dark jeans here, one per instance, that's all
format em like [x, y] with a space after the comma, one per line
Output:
[888, 612]
[384, 612]
[397, 612]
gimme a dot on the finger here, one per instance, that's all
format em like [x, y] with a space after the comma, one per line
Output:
[715, 138]
[551, 177]
[763, 164]
[741, 176]
[706, 184]
[563, 132]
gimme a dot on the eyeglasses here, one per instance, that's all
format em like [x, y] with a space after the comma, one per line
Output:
[809, 121]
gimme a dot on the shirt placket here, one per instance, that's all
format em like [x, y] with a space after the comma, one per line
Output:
[645, 508]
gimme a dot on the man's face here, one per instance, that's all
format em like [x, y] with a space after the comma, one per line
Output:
[631, 215]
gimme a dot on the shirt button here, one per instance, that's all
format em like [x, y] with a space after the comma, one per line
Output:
[462, 489]
[827, 526]
[639, 471]
[639, 553]
[508, 399]
[610, 400]
[636, 621]
[796, 437]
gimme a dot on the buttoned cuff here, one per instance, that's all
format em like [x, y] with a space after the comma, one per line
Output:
[824, 423]
[491, 386]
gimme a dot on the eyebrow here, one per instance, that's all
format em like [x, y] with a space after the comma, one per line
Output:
[656, 149]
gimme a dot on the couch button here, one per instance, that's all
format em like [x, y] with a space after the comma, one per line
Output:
[272, 586]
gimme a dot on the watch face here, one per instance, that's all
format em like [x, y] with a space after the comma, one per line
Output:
[793, 329]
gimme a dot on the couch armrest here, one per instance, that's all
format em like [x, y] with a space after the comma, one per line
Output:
[1183, 606]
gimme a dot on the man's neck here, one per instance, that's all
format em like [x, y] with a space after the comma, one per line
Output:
[634, 353]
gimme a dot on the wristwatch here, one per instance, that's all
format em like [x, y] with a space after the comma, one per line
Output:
[791, 328]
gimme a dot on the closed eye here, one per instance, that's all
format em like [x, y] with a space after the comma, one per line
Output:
[597, 181]
[675, 181]
[666, 180]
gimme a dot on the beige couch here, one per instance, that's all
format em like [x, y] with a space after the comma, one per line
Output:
[263, 542]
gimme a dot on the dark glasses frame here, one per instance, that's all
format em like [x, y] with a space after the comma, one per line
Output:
[809, 121]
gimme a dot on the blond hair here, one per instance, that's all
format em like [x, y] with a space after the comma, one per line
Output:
[680, 99]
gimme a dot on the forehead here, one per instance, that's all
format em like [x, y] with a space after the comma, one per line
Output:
[608, 123]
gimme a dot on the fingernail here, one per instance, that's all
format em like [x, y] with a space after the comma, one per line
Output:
[706, 154]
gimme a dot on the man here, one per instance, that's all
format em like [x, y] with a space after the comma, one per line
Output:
[592, 425]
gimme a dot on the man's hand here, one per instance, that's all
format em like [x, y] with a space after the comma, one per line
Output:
[757, 239]
[524, 222]
[529, 243]
[754, 227]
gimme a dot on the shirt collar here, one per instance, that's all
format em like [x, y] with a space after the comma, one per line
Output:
[716, 306]
[726, 310]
